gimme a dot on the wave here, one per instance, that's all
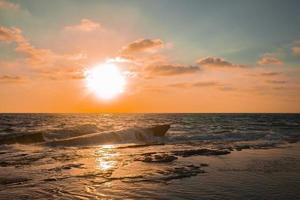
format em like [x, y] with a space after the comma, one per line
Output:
[22, 138]
[133, 135]
[71, 132]
[88, 134]
[47, 135]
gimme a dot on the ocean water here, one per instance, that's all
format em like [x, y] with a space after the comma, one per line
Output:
[119, 156]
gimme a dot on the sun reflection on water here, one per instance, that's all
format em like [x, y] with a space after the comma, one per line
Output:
[106, 165]
[106, 157]
[108, 146]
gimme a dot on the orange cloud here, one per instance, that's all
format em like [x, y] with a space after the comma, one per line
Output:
[276, 81]
[10, 34]
[216, 62]
[145, 61]
[11, 79]
[85, 25]
[35, 55]
[195, 84]
[143, 45]
[170, 70]
[42, 60]
[205, 84]
[296, 48]
[6, 77]
[271, 73]
[8, 5]
[269, 59]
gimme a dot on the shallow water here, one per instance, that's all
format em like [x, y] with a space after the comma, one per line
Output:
[202, 156]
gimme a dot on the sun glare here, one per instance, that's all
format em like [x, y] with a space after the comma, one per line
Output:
[106, 81]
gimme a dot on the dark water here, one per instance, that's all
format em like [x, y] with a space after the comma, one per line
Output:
[202, 156]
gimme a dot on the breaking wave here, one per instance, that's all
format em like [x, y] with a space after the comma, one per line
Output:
[88, 134]
[133, 135]
[47, 135]
[77, 129]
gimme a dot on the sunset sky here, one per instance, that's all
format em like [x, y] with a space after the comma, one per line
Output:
[174, 55]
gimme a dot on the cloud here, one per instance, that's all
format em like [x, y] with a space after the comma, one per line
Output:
[170, 70]
[296, 48]
[195, 84]
[276, 82]
[4, 4]
[142, 45]
[58, 75]
[13, 34]
[227, 88]
[120, 60]
[35, 56]
[6, 77]
[154, 64]
[11, 79]
[269, 59]
[180, 85]
[271, 73]
[205, 84]
[10, 34]
[85, 25]
[42, 60]
[216, 62]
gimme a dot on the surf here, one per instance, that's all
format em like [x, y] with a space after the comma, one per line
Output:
[132, 135]
[88, 135]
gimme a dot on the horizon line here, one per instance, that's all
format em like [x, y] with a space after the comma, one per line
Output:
[149, 112]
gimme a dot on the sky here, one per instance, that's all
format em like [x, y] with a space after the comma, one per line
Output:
[176, 56]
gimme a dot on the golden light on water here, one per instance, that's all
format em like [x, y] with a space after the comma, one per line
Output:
[108, 146]
[107, 158]
[106, 81]
[106, 165]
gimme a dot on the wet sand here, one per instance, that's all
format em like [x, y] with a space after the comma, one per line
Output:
[110, 172]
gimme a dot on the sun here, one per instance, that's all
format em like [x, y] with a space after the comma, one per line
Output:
[105, 80]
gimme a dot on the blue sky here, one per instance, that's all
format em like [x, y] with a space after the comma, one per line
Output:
[235, 29]
[238, 46]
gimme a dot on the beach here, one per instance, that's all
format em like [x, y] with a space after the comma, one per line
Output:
[225, 162]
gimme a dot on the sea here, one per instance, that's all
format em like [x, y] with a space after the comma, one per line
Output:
[149, 156]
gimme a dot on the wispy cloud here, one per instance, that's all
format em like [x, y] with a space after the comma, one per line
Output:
[143, 45]
[296, 48]
[205, 84]
[4, 4]
[171, 70]
[271, 73]
[11, 79]
[269, 59]
[6, 77]
[10, 34]
[34, 55]
[216, 62]
[194, 84]
[276, 81]
[85, 25]
[38, 59]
